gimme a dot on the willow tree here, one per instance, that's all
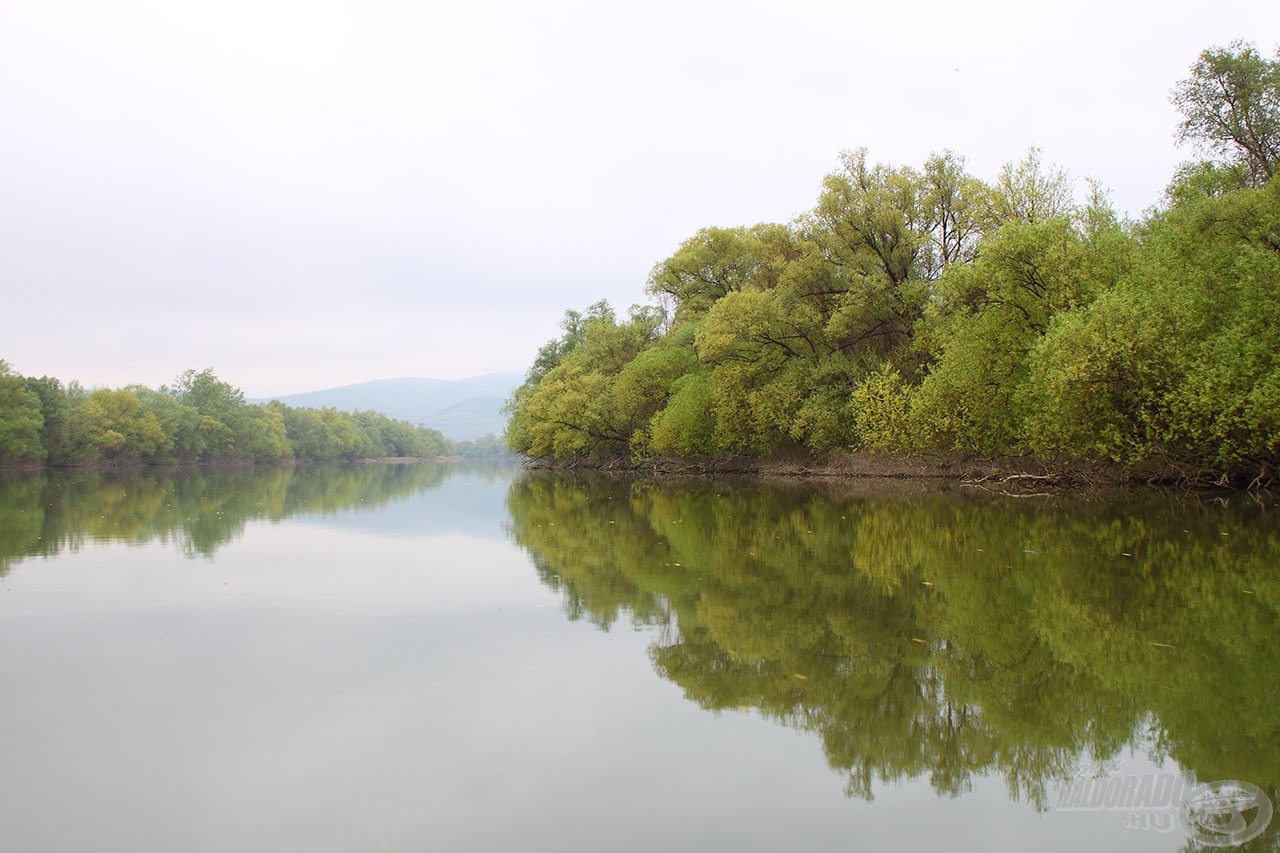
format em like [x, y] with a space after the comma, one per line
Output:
[576, 408]
[1230, 109]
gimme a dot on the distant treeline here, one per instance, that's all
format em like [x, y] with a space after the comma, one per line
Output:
[927, 311]
[199, 418]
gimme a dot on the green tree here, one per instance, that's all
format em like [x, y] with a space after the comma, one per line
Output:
[351, 442]
[57, 404]
[991, 313]
[224, 422]
[117, 428]
[21, 420]
[181, 422]
[1176, 364]
[644, 385]
[1032, 192]
[870, 254]
[1230, 109]
[574, 324]
[489, 446]
[263, 435]
[207, 394]
[958, 208]
[308, 433]
[686, 425]
[718, 261]
[569, 411]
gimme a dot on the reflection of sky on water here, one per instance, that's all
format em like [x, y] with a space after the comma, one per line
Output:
[298, 567]
[323, 723]
[466, 502]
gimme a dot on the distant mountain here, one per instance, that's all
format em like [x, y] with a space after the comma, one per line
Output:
[462, 409]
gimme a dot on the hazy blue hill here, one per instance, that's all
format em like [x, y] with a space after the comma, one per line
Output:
[472, 418]
[461, 409]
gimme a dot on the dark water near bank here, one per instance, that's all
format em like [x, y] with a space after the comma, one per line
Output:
[436, 658]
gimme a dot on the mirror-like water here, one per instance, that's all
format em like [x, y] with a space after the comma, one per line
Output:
[423, 657]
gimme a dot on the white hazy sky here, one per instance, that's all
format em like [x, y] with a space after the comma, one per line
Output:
[306, 194]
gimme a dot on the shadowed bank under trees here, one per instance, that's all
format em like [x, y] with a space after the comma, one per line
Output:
[925, 311]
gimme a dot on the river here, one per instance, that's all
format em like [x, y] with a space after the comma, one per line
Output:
[441, 657]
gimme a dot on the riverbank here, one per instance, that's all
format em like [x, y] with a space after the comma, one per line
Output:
[1021, 476]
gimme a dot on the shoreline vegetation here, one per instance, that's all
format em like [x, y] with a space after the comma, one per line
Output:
[198, 421]
[924, 322]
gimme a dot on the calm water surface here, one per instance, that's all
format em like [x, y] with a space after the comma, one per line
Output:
[476, 658]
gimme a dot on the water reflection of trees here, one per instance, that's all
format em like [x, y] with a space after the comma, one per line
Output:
[43, 514]
[937, 634]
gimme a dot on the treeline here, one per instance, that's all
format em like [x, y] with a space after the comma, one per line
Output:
[924, 310]
[199, 418]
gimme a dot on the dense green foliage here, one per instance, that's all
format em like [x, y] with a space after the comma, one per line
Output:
[949, 634]
[925, 310]
[199, 418]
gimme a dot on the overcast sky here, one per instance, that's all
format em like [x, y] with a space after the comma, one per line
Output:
[307, 194]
